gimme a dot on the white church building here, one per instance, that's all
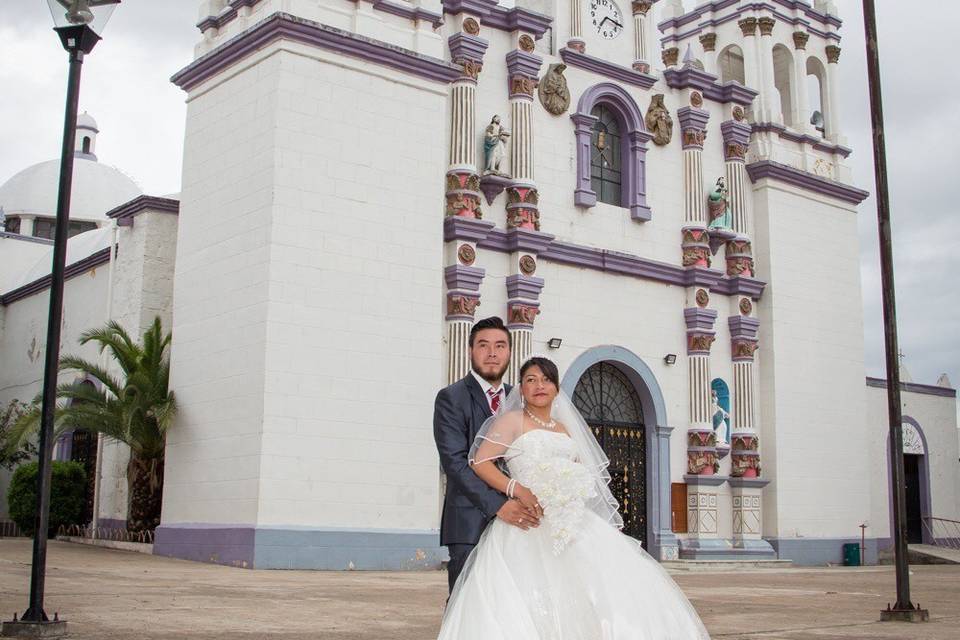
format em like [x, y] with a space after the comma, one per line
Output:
[364, 179]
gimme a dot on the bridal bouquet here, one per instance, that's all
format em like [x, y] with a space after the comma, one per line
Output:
[563, 487]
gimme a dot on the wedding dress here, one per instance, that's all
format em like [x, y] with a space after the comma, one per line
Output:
[576, 576]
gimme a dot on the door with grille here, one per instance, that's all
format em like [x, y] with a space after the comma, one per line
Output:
[611, 406]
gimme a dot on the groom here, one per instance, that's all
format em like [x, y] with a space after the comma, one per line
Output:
[459, 412]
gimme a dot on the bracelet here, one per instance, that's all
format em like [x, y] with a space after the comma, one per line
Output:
[511, 486]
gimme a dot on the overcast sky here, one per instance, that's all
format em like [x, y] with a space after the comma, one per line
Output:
[141, 116]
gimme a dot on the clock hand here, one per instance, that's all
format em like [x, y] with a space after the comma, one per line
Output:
[614, 22]
[604, 20]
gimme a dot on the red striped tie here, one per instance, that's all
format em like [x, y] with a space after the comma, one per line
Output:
[494, 399]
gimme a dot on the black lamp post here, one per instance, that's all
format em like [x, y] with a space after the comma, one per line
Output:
[904, 609]
[79, 24]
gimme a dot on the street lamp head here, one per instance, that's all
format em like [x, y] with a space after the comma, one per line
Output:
[80, 22]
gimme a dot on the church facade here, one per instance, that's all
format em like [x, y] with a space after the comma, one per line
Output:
[655, 197]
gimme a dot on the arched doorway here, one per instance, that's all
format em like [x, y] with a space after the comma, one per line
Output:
[611, 406]
[916, 482]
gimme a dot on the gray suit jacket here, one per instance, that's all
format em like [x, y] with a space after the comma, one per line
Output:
[470, 503]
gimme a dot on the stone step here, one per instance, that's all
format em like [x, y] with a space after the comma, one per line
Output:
[725, 565]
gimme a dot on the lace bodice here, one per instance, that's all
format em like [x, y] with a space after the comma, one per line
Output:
[547, 463]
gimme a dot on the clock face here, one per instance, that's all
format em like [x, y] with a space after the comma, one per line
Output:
[606, 18]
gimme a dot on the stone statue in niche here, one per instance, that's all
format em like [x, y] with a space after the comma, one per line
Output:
[719, 207]
[494, 147]
[553, 91]
[721, 418]
[658, 121]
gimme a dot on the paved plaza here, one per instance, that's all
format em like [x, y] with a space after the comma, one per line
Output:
[109, 594]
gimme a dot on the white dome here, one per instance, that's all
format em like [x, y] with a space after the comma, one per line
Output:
[86, 121]
[97, 189]
[79, 247]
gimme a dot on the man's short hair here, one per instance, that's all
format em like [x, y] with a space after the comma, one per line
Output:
[493, 322]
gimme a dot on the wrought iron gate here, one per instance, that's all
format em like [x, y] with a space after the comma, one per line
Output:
[610, 405]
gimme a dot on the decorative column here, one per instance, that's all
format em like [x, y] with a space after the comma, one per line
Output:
[801, 110]
[696, 242]
[463, 183]
[702, 463]
[831, 117]
[709, 43]
[751, 62]
[772, 104]
[736, 141]
[463, 227]
[746, 486]
[523, 68]
[523, 293]
[576, 41]
[641, 47]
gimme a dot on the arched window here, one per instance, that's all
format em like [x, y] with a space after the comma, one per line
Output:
[611, 150]
[720, 413]
[817, 83]
[605, 160]
[86, 144]
[783, 80]
[730, 62]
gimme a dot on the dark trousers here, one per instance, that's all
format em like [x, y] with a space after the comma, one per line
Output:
[458, 556]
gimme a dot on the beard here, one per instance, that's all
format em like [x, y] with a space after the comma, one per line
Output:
[496, 376]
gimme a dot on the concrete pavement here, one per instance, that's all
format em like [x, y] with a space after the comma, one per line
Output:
[111, 595]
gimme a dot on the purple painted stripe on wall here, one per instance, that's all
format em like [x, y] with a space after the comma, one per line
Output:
[460, 277]
[818, 143]
[232, 546]
[743, 327]
[740, 285]
[283, 26]
[709, 85]
[600, 66]
[913, 387]
[493, 15]
[700, 319]
[79, 267]
[804, 180]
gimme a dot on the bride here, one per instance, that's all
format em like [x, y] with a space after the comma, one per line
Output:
[575, 577]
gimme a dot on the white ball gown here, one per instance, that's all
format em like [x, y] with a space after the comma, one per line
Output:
[575, 577]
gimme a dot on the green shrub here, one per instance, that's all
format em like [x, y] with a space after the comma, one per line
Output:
[68, 494]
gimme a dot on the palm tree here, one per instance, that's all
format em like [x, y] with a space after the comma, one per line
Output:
[135, 408]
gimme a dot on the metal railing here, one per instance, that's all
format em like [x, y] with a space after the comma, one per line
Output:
[943, 532]
[9, 529]
[106, 533]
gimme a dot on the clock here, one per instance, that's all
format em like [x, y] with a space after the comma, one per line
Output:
[606, 18]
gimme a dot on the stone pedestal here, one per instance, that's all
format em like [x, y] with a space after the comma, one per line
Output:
[747, 494]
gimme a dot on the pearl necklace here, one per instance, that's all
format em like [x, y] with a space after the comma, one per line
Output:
[546, 425]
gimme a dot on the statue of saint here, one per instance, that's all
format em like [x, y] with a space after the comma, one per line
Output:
[719, 207]
[658, 121]
[494, 147]
[720, 417]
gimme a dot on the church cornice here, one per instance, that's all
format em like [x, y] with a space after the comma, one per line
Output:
[79, 267]
[796, 177]
[574, 58]
[284, 26]
[125, 213]
[815, 22]
[709, 85]
[493, 15]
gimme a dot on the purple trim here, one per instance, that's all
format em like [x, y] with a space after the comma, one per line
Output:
[804, 180]
[493, 185]
[743, 327]
[633, 155]
[613, 71]
[561, 252]
[701, 277]
[79, 267]
[703, 481]
[749, 483]
[283, 26]
[693, 118]
[523, 63]
[913, 387]
[736, 132]
[700, 320]
[463, 278]
[493, 15]
[818, 143]
[709, 85]
[467, 47]
[125, 213]
[17, 236]
[222, 18]
[818, 17]
[470, 229]
[233, 546]
[521, 286]
[411, 13]
[740, 285]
